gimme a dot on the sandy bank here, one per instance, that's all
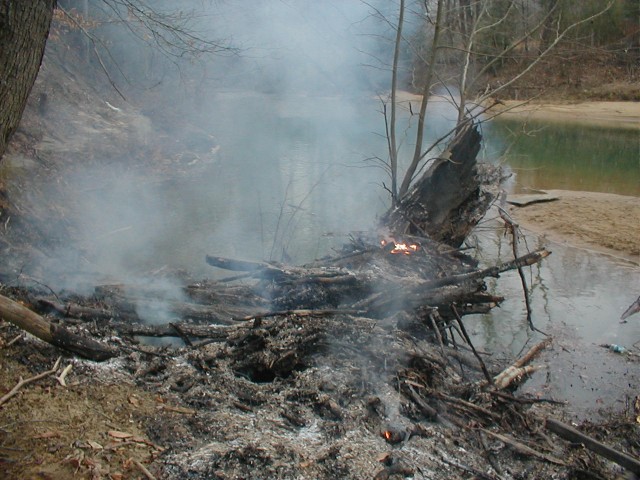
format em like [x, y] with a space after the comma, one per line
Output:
[598, 221]
[610, 114]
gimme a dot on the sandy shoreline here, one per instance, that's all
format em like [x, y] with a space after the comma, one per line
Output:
[610, 114]
[601, 222]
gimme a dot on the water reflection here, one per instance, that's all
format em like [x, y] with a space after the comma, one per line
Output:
[569, 157]
[577, 297]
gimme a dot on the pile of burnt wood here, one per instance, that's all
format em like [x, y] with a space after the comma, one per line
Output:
[413, 265]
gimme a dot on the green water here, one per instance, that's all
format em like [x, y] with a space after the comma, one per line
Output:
[568, 157]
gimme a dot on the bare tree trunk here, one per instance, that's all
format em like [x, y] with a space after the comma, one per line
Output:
[393, 149]
[24, 28]
[417, 155]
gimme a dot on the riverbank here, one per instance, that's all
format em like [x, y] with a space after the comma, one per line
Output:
[596, 221]
[610, 114]
[603, 222]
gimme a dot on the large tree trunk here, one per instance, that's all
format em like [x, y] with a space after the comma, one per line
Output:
[24, 28]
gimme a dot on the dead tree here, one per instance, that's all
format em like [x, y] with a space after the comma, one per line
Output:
[453, 195]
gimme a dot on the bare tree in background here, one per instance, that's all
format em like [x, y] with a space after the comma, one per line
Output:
[24, 27]
[467, 41]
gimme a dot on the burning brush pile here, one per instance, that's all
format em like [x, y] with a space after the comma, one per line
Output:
[355, 366]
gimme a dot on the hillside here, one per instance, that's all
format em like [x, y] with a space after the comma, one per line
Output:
[568, 76]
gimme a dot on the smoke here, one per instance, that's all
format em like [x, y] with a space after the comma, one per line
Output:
[268, 157]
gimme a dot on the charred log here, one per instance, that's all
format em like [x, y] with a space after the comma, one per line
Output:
[56, 335]
[453, 195]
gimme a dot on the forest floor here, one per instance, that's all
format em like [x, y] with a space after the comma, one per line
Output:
[193, 416]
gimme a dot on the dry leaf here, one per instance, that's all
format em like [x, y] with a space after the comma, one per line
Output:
[49, 434]
[95, 445]
[186, 411]
[117, 434]
[383, 457]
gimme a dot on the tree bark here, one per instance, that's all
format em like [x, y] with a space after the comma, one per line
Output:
[24, 28]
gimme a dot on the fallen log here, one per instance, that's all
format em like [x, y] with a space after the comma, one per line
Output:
[217, 332]
[263, 268]
[569, 433]
[56, 335]
[75, 311]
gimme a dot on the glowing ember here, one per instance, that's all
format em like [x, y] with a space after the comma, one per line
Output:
[393, 435]
[405, 248]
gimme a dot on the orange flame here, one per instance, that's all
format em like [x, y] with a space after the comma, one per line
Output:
[387, 434]
[405, 248]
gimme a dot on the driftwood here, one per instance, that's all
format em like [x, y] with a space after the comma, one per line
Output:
[57, 335]
[569, 433]
[519, 369]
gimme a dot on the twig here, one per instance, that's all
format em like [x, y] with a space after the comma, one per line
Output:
[522, 448]
[513, 228]
[468, 340]
[144, 470]
[301, 312]
[437, 332]
[427, 410]
[63, 375]
[182, 335]
[95, 50]
[14, 340]
[510, 398]
[464, 404]
[21, 382]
